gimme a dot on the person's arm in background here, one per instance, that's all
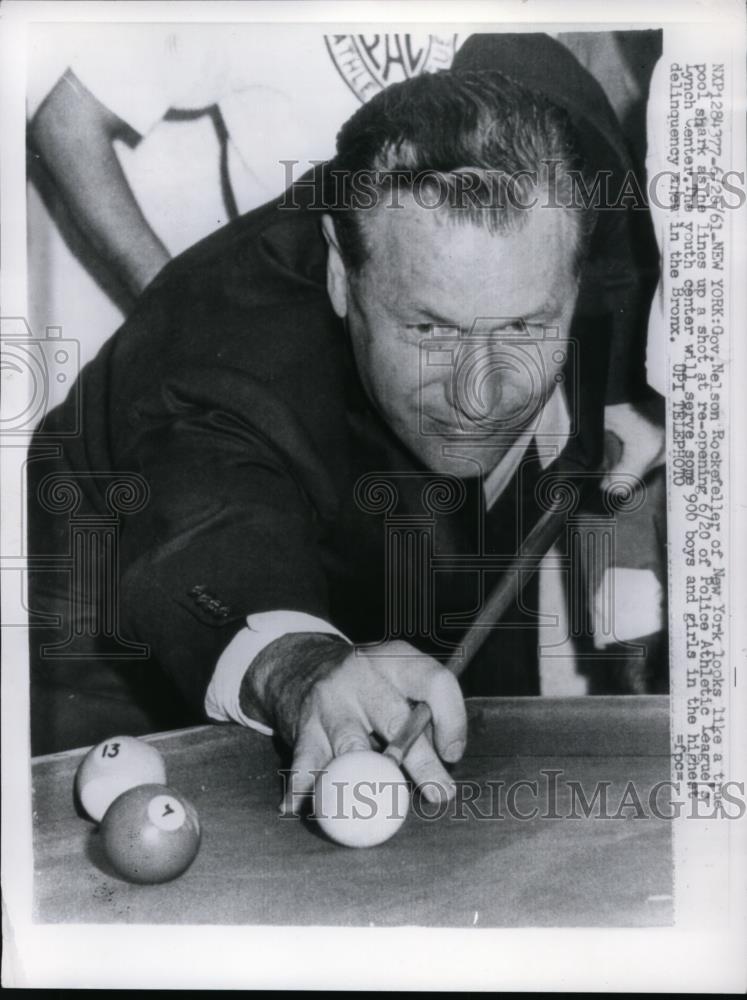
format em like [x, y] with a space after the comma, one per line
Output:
[74, 133]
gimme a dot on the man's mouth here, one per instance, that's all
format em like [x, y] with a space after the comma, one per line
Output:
[432, 418]
[460, 424]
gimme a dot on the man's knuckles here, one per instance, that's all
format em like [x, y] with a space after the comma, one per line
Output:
[444, 689]
[398, 649]
[348, 741]
[395, 723]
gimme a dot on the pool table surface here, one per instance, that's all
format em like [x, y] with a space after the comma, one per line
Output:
[478, 865]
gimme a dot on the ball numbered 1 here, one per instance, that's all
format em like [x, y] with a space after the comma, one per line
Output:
[113, 767]
[151, 834]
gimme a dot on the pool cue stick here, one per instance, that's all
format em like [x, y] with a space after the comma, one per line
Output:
[536, 545]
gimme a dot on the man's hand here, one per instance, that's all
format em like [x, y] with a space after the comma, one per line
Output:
[325, 698]
[635, 444]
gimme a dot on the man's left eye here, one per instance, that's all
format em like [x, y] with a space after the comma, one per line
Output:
[520, 328]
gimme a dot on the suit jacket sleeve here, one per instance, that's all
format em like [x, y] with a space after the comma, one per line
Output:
[238, 499]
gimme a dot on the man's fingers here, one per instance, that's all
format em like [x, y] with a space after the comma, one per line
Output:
[344, 713]
[347, 737]
[634, 463]
[370, 693]
[613, 451]
[312, 754]
[634, 444]
[422, 679]
[427, 771]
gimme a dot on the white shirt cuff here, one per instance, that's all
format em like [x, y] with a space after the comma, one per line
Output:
[222, 698]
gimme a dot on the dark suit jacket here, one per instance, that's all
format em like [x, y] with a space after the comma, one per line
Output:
[232, 392]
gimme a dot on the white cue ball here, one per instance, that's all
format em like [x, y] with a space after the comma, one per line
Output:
[361, 799]
[113, 767]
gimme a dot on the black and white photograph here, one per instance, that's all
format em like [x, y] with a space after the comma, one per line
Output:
[372, 496]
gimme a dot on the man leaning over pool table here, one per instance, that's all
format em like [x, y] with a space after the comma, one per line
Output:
[270, 369]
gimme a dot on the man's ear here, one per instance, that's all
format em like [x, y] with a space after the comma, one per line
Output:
[337, 283]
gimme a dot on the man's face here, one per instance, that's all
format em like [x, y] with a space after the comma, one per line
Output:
[458, 333]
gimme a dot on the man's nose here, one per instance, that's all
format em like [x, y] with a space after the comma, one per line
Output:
[475, 386]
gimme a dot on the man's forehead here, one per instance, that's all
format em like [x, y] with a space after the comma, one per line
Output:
[433, 262]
